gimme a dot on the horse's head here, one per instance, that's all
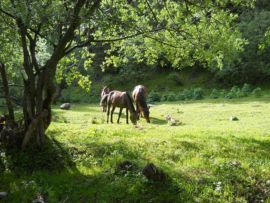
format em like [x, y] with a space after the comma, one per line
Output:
[134, 118]
[103, 103]
[146, 115]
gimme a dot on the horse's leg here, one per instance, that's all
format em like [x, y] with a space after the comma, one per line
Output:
[120, 112]
[108, 112]
[112, 114]
[138, 110]
[127, 115]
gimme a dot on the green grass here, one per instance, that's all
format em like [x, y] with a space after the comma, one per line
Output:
[207, 159]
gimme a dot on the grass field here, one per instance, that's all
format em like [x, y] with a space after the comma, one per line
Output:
[207, 158]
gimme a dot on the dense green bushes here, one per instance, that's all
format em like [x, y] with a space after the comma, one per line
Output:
[186, 94]
[253, 64]
[198, 93]
[154, 96]
[236, 92]
[257, 92]
[77, 95]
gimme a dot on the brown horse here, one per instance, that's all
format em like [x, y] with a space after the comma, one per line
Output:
[139, 95]
[105, 91]
[121, 100]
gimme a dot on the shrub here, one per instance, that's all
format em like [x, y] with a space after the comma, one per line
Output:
[239, 93]
[188, 94]
[198, 93]
[214, 94]
[234, 89]
[257, 92]
[175, 78]
[171, 96]
[233, 93]
[164, 98]
[246, 89]
[229, 95]
[154, 96]
[181, 97]
[222, 93]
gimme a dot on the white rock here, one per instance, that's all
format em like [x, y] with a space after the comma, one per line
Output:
[3, 194]
[65, 106]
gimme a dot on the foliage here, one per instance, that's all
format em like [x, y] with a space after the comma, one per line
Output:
[172, 97]
[172, 31]
[235, 92]
[214, 94]
[252, 65]
[154, 96]
[198, 93]
[175, 78]
[187, 94]
[257, 92]
[181, 97]
[76, 95]
[131, 73]
[246, 89]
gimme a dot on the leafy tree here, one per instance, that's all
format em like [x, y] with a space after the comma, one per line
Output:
[49, 31]
[252, 65]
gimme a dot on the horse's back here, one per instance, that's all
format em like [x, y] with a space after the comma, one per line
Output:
[117, 98]
[139, 89]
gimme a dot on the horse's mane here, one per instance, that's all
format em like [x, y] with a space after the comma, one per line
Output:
[104, 98]
[105, 90]
[131, 102]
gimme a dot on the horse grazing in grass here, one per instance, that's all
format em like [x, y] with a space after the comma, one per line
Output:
[139, 95]
[105, 91]
[121, 100]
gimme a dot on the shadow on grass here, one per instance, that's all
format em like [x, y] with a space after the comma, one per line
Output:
[158, 121]
[57, 172]
[53, 173]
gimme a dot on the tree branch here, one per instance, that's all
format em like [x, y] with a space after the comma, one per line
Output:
[7, 14]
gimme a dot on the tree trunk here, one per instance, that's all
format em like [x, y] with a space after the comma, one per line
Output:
[37, 124]
[39, 85]
[6, 94]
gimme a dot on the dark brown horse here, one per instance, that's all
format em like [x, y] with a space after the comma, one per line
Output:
[139, 95]
[121, 100]
[105, 91]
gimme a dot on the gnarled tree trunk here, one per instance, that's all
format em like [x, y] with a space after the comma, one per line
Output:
[11, 117]
[39, 84]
